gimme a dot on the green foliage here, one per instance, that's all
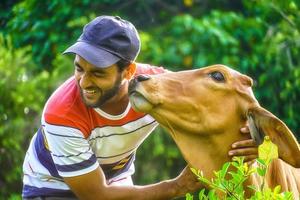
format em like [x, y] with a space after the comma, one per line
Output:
[44, 32]
[228, 184]
[22, 96]
[220, 37]
[229, 180]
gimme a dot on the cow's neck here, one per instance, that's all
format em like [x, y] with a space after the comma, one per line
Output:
[207, 152]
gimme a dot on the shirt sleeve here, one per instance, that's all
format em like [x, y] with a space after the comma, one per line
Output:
[70, 151]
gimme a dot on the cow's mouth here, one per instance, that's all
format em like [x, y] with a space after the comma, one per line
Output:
[139, 102]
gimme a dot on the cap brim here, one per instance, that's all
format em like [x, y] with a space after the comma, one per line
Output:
[96, 56]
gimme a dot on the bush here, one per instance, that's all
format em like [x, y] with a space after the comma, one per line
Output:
[233, 188]
[229, 183]
[23, 95]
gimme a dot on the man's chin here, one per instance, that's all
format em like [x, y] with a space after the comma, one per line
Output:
[91, 103]
[96, 101]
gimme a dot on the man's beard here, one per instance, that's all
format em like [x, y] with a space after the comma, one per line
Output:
[105, 96]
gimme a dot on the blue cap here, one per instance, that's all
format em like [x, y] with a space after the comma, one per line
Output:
[106, 40]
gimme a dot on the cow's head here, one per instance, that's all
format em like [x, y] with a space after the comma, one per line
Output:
[204, 109]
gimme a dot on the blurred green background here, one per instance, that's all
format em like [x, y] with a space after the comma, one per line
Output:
[260, 38]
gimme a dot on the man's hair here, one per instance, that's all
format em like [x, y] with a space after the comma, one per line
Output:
[122, 64]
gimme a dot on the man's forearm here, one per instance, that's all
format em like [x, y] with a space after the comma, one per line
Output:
[159, 191]
[92, 186]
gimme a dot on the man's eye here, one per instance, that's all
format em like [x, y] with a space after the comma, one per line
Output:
[79, 69]
[217, 76]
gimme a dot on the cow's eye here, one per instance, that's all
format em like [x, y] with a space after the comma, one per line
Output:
[217, 76]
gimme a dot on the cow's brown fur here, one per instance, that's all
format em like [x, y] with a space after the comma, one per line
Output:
[204, 117]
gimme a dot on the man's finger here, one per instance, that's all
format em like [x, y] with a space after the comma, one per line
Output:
[244, 143]
[243, 152]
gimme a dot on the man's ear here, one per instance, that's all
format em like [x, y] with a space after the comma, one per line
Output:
[262, 122]
[130, 71]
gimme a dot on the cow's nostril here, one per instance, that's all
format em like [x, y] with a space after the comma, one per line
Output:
[143, 77]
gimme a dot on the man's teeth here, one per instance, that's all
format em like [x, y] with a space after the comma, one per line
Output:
[90, 91]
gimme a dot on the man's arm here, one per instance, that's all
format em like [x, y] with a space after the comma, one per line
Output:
[76, 162]
[92, 186]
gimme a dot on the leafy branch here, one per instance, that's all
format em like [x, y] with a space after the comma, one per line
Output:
[229, 181]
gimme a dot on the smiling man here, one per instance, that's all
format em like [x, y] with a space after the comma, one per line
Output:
[85, 147]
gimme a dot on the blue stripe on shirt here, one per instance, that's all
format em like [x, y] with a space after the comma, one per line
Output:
[31, 191]
[77, 166]
[44, 155]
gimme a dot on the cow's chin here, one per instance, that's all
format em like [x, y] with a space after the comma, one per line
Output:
[140, 103]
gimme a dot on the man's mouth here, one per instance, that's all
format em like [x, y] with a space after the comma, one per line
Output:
[89, 94]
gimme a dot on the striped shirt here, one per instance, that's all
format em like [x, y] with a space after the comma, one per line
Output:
[74, 139]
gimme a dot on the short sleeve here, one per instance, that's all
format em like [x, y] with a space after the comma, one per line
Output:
[70, 151]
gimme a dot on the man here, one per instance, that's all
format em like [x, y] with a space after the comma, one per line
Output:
[89, 133]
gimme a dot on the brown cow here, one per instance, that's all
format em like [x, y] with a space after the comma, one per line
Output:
[204, 109]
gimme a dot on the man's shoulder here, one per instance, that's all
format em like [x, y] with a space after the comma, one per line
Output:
[64, 104]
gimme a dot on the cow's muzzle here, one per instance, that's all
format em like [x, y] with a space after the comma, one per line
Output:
[137, 99]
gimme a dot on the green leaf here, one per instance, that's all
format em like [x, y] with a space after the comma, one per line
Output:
[277, 189]
[261, 172]
[261, 162]
[252, 187]
[188, 196]
[202, 195]
[224, 170]
[212, 195]
[267, 151]
[195, 171]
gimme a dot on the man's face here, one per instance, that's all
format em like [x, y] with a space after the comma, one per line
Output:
[96, 85]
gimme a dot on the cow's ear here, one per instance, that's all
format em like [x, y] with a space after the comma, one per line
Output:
[263, 122]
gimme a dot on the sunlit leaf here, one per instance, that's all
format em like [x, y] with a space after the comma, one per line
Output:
[267, 151]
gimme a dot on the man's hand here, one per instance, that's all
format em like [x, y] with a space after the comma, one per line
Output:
[186, 182]
[246, 148]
